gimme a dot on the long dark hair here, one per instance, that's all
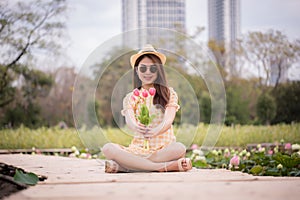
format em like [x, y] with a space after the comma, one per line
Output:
[162, 94]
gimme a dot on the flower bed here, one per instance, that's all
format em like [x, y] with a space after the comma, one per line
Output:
[276, 160]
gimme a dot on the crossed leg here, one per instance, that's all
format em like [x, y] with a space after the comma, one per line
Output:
[163, 160]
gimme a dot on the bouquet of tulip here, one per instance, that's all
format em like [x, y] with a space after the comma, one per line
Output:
[144, 116]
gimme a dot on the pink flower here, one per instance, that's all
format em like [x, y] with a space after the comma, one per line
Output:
[152, 91]
[194, 146]
[145, 94]
[136, 92]
[235, 160]
[227, 154]
[288, 146]
[133, 98]
[270, 152]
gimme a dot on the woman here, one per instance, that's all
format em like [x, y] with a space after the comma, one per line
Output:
[163, 153]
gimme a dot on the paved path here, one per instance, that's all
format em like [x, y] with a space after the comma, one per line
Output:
[73, 178]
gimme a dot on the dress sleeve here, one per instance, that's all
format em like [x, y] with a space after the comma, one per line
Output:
[173, 99]
[127, 103]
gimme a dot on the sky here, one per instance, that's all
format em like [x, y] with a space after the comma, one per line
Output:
[92, 22]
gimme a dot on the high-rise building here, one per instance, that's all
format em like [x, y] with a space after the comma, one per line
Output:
[223, 20]
[224, 30]
[138, 14]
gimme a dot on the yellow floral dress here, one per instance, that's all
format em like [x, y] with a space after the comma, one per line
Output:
[155, 143]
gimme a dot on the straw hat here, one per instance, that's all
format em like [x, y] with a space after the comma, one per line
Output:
[148, 49]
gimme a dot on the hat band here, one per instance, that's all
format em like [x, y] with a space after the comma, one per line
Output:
[148, 51]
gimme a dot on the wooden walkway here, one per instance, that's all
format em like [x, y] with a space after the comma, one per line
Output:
[73, 178]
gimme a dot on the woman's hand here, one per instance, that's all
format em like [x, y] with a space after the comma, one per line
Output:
[138, 128]
[152, 131]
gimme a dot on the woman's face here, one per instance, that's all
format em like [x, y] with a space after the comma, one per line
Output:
[147, 71]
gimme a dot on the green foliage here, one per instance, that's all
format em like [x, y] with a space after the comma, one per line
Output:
[42, 138]
[27, 115]
[144, 116]
[205, 107]
[27, 27]
[266, 108]
[111, 73]
[286, 160]
[258, 161]
[237, 107]
[287, 101]
[26, 178]
[238, 136]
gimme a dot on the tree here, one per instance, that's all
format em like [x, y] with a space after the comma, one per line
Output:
[26, 28]
[270, 52]
[237, 104]
[287, 101]
[57, 105]
[266, 108]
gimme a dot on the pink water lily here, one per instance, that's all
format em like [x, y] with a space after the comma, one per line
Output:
[235, 160]
[288, 146]
[152, 91]
[270, 152]
[194, 146]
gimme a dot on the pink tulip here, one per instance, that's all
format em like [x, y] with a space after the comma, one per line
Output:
[288, 146]
[152, 91]
[136, 92]
[235, 160]
[145, 93]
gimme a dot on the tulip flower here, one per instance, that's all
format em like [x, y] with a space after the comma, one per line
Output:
[145, 94]
[136, 92]
[152, 91]
[144, 116]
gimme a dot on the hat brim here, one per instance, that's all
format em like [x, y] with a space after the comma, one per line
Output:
[134, 57]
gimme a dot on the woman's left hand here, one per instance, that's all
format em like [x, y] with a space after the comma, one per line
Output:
[151, 132]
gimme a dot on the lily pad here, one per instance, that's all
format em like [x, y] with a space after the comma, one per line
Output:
[26, 178]
[257, 169]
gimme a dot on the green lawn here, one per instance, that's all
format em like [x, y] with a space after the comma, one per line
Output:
[238, 136]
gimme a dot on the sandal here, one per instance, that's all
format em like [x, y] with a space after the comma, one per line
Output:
[111, 166]
[188, 162]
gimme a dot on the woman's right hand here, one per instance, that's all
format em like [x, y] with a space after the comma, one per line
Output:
[139, 128]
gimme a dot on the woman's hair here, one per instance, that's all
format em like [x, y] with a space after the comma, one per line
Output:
[162, 94]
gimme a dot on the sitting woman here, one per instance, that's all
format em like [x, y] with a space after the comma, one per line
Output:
[162, 153]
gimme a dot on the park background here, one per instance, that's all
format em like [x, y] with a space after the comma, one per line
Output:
[43, 47]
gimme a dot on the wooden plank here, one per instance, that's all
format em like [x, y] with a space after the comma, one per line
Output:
[15, 151]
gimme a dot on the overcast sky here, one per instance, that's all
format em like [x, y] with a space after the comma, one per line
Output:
[91, 22]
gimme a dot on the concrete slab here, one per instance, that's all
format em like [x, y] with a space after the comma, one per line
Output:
[73, 178]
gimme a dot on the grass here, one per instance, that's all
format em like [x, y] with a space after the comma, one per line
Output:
[240, 136]
[237, 136]
[43, 138]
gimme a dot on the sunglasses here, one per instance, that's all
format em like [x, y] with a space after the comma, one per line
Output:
[143, 68]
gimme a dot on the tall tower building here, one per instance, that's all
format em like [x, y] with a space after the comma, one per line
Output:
[137, 14]
[224, 29]
[223, 20]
